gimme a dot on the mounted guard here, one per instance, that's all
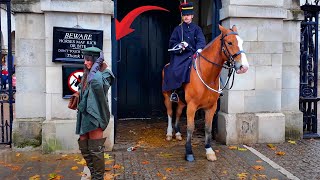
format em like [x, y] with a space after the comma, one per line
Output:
[186, 39]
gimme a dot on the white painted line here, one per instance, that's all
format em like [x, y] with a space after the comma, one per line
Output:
[271, 163]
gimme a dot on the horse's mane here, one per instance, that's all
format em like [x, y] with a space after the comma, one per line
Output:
[209, 44]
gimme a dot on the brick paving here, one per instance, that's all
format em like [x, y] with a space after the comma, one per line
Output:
[155, 158]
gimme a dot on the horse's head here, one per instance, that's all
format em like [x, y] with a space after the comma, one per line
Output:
[231, 45]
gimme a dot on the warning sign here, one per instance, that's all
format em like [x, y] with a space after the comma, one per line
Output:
[74, 80]
[71, 75]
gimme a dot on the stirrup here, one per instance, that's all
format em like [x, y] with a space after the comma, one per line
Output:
[174, 97]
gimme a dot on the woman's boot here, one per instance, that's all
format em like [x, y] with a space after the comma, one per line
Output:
[83, 146]
[96, 148]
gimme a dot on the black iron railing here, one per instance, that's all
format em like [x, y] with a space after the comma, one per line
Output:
[6, 88]
[309, 68]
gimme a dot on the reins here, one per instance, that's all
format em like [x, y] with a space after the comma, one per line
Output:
[228, 65]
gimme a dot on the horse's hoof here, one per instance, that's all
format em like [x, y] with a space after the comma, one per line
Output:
[169, 138]
[179, 137]
[189, 157]
[211, 157]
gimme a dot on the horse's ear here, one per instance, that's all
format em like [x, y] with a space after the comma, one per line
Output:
[222, 29]
[234, 28]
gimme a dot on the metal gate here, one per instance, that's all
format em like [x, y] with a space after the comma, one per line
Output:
[309, 69]
[7, 69]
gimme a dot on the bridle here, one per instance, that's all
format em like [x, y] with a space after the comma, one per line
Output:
[229, 64]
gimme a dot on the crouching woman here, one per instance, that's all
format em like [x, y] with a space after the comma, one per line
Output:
[93, 110]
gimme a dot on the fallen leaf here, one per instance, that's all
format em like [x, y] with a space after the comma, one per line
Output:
[107, 156]
[64, 155]
[181, 169]
[233, 147]
[242, 175]
[292, 142]
[18, 154]
[259, 161]
[107, 169]
[274, 179]
[145, 162]
[224, 172]
[135, 173]
[271, 146]
[166, 155]
[59, 177]
[108, 176]
[116, 166]
[35, 177]
[55, 176]
[169, 169]
[242, 149]
[74, 168]
[159, 174]
[82, 162]
[29, 168]
[109, 162]
[263, 175]
[280, 153]
[52, 175]
[15, 168]
[258, 167]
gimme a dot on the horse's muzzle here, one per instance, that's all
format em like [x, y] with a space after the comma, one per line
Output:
[242, 66]
[242, 69]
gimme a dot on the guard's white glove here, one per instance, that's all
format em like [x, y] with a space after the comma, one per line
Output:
[199, 50]
[184, 44]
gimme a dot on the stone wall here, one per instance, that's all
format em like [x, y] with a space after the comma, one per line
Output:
[270, 87]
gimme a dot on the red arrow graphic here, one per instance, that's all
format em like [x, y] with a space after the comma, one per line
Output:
[123, 27]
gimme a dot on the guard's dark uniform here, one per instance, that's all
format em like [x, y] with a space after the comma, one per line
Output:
[178, 71]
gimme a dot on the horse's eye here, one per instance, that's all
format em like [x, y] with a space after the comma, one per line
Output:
[230, 43]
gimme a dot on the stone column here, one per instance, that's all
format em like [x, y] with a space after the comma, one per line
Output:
[30, 58]
[56, 121]
[291, 70]
[251, 111]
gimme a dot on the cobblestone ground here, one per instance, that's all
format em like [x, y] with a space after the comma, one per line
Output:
[155, 158]
[301, 159]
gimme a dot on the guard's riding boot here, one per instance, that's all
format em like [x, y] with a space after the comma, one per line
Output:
[96, 148]
[174, 97]
[83, 146]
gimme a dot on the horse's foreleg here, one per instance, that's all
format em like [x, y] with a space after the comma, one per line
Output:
[168, 105]
[176, 125]
[191, 110]
[211, 156]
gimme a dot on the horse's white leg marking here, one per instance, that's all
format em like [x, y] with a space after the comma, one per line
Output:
[169, 129]
[211, 155]
[178, 134]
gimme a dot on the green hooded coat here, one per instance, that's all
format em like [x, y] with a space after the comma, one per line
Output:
[93, 107]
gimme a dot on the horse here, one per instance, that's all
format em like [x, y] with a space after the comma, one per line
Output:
[203, 90]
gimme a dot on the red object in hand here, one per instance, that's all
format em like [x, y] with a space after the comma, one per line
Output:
[4, 72]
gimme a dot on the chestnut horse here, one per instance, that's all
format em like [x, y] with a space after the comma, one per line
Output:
[202, 92]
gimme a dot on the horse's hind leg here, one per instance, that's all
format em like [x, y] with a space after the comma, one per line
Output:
[178, 116]
[168, 105]
[191, 110]
[211, 156]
